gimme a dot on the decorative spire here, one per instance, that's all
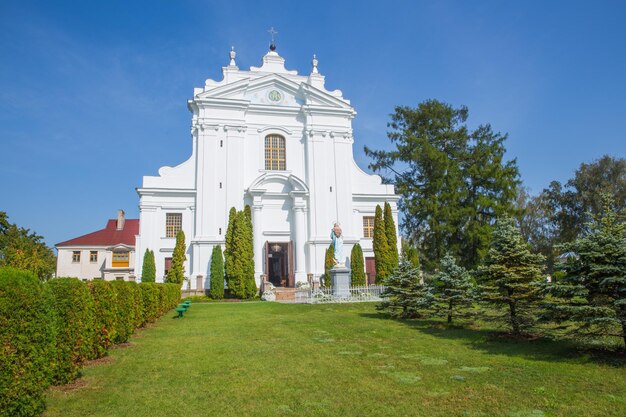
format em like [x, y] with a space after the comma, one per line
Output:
[232, 55]
[314, 62]
[273, 43]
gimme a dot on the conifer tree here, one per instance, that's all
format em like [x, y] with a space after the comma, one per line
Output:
[392, 238]
[248, 254]
[357, 264]
[217, 273]
[329, 262]
[592, 295]
[228, 257]
[511, 275]
[148, 270]
[409, 252]
[381, 247]
[453, 289]
[176, 274]
[405, 296]
[237, 272]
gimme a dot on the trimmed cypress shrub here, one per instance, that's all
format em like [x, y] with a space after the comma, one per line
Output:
[392, 238]
[228, 249]
[125, 311]
[176, 273]
[27, 342]
[357, 264]
[74, 309]
[150, 301]
[106, 315]
[217, 273]
[248, 254]
[148, 270]
[329, 262]
[381, 247]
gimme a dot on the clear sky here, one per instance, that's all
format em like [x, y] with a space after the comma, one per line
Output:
[93, 94]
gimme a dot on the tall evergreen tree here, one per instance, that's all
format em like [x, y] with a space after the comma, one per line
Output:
[148, 270]
[454, 182]
[511, 275]
[248, 254]
[453, 289]
[392, 238]
[176, 273]
[409, 252]
[381, 247]
[228, 250]
[237, 273]
[592, 296]
[357, 264]
[217, 273]
[329, 262]
[405, 296]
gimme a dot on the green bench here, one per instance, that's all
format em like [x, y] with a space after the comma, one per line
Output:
[180, 311]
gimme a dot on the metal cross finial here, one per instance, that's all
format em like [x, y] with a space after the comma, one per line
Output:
[272, 32]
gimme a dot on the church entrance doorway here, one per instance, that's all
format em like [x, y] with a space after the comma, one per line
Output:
[279, 263]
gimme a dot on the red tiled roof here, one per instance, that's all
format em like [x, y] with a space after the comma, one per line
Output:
[108, 236]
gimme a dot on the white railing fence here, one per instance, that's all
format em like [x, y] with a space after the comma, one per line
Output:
[332, 295]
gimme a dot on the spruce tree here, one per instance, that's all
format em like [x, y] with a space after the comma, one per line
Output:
[405, 296]
[453, 289]
[176, 274]
[511, 275]
[357, 264]
[228, 250]
[591, 299]
[148, 270]
[392, 238]
[217, 273]
[329, 262]
[381, 247]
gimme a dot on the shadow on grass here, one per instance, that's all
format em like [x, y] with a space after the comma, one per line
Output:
[501, 343]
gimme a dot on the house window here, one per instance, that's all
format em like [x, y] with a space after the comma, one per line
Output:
[93, 256]
[76, 256]
[275, 158]
[120, 259]
[119, 278]
[368, 227]
[168, 265]
[173, 224]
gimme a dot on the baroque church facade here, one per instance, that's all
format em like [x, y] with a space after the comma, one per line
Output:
[276, 141]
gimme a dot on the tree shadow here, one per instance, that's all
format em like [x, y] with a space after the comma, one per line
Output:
[498, 342]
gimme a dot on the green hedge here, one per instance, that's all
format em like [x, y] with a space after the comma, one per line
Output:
[48, 330]
[27, 340]
[74, 308]
[106, 316]
[150, 301]
[125, 323]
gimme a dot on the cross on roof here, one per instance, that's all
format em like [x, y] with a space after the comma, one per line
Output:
[272, 32]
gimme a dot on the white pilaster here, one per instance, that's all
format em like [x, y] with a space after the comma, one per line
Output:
[257, 230]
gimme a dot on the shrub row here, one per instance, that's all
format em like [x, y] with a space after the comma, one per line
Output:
[47, 331]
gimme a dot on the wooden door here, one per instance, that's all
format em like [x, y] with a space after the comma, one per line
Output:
[290, 265]
[370, 270]
[266, 258]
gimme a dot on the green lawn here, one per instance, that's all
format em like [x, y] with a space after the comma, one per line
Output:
[269, 359]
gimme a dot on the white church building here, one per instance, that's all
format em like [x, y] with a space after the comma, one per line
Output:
[276, 141]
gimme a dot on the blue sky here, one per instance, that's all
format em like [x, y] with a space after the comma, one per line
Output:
[93, 94]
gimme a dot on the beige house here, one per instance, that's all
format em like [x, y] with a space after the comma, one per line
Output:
[107, 254]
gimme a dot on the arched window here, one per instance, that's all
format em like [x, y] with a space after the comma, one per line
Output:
[275, 159]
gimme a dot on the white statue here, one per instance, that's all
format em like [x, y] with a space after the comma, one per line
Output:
[337, 239]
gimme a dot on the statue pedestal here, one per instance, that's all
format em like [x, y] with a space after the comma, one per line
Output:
[340, 278]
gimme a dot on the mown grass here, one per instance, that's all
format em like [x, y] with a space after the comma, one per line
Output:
[268, 359]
